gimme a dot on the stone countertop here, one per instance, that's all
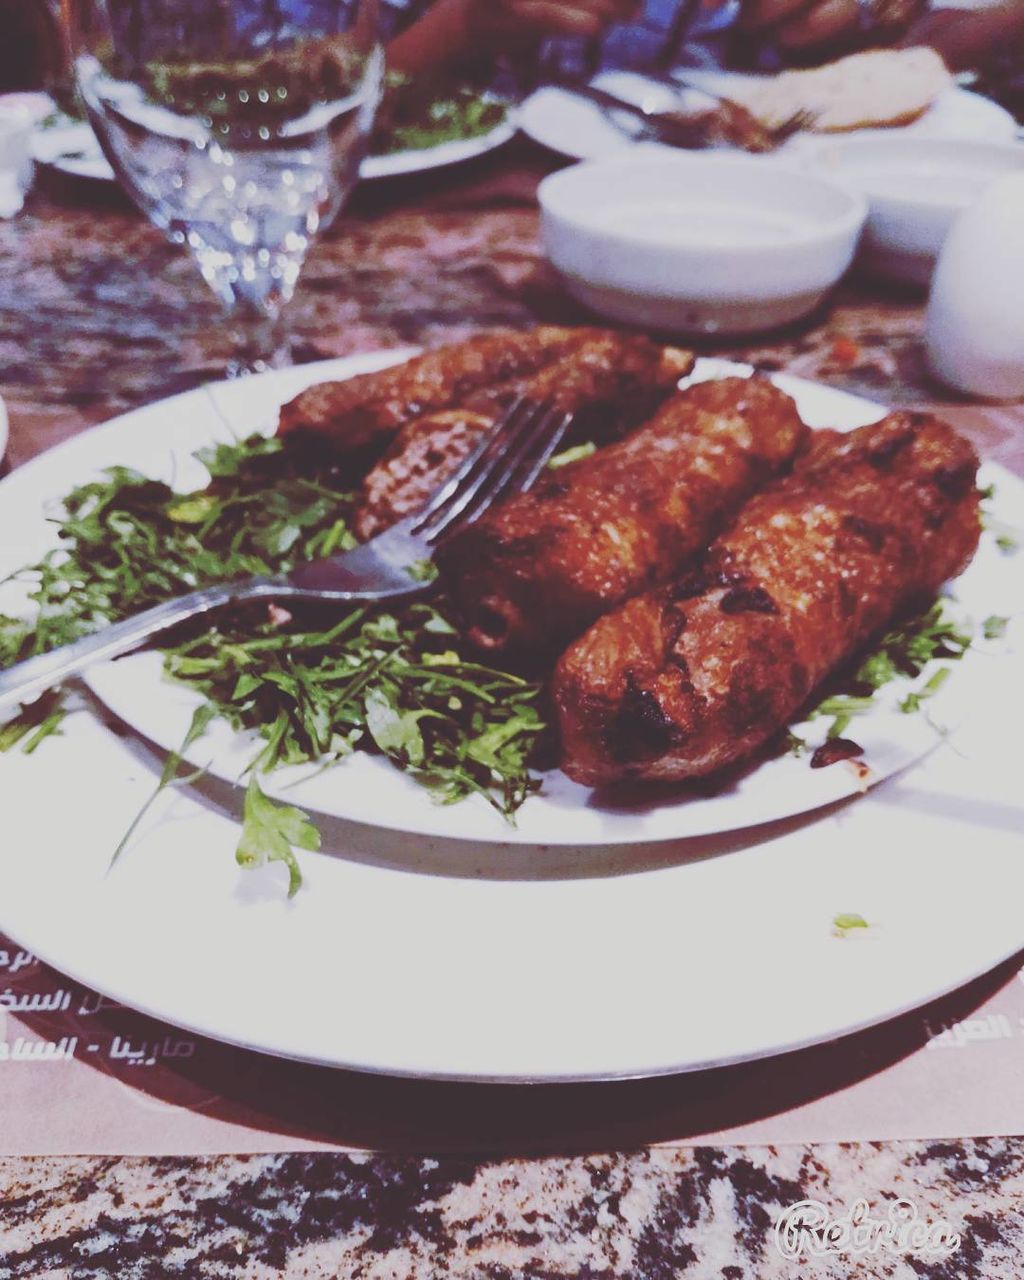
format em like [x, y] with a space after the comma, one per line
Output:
[649, 1215]
[99, 314]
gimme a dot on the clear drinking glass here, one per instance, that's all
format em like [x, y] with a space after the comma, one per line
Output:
[237, 126]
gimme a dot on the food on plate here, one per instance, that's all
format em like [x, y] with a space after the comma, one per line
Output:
[360, 415]
[610, 382]
[870, 90]
[419, 113]
[697, 675]
[698, 650]
[538, 569]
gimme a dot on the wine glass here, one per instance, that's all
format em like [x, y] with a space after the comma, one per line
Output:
[238, 127]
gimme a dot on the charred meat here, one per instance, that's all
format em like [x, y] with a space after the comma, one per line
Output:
[698, 674]
[539, 569]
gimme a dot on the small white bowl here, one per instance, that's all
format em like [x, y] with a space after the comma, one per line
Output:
[915, 187]
[698, 244]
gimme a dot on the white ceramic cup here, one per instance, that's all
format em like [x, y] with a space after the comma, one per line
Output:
[974, 326]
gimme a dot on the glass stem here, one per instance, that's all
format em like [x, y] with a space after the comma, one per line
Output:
[259, 340]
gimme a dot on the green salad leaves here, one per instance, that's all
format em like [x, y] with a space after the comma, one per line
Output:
[314, 686]
[418, 114]
[902, 653]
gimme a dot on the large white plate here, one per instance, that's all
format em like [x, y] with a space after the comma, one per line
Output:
[72, 149]
[160, 440]
[578, 129]
[490, 961]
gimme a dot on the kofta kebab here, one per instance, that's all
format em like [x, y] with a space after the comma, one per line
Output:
[692, 579]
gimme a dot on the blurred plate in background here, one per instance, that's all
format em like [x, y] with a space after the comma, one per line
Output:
[573, 127]
[70, 147]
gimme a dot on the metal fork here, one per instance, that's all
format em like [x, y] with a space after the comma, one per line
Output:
[737, 118]
[672, 128]
[692, 131]
[508, 458]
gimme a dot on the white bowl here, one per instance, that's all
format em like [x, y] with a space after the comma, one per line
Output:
[915, 187]
[698, 243]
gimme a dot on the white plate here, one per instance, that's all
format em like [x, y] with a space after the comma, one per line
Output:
[73, 149]
[579, 130]
[160, 439]
[488, 962]
[496, 962]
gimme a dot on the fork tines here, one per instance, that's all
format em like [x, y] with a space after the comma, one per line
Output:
[508, 459]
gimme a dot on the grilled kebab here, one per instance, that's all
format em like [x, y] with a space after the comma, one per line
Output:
[362, 414]
[538, 569]
[698, 674]
[610, 382]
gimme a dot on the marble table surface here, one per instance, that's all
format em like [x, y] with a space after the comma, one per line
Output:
[99, 314]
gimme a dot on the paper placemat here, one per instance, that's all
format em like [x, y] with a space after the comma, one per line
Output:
[81, 1075]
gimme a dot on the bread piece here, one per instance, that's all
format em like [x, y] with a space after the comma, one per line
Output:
[877, 89]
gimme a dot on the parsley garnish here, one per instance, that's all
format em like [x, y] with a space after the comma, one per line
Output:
[573, 454]
[1008, 538]
[314, 685]
[994, 627]
[848, 920]
[912, 702]
[34, 723]
[417, 115]
[904, 652]
[270, 833]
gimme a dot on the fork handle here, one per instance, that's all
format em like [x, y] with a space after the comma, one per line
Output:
[27, 680]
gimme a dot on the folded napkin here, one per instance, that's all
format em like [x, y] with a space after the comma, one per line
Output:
[19, 114]
[12, 194]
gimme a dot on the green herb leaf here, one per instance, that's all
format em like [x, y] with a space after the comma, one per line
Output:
[912, 702]
[397, 680]
[193, 510]
[415, 118]
[848, 920]
[994, 627]
[794, 745]
[1008, 538]
[903, 652]
[422, 571]
[574, 454]
[395, 732]
[35, 723]
[269, 832]
[201, 718]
